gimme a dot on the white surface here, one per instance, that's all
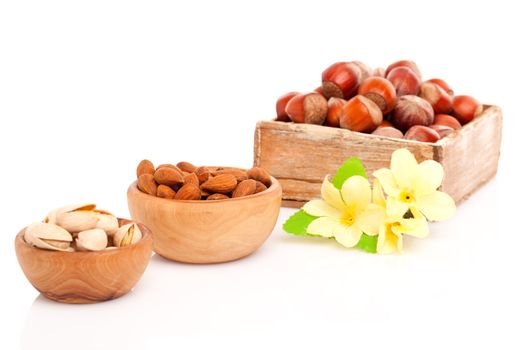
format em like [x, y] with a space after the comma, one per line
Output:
[87, 89]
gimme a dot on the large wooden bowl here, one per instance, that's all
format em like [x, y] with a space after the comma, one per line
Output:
[207, 231]
[84, 277]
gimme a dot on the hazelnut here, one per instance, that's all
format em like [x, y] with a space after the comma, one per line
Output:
[404, 63]
[335, 106]
[381, 91]
[366, 71]
[280, 106]
[442, 130]
[379, 72]
[447, 120]
[310, 108]
[422, 133]
[385, 123]
[442, 84]
[410, 111]
[438, 98]
[405, 81]
[341, 80]
[319, 90]
[388, 131]
[360, 114]
[465, 108]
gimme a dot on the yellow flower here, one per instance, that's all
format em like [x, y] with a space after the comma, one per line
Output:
[413, 186]
[345, 214]
[391, 231]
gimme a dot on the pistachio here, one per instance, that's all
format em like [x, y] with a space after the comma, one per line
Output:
[94, 239]
[48, 236]
[107, 221]
[76, 218]
[127, 235]
[51, 218]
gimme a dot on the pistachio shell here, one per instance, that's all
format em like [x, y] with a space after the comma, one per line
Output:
[51, 218]
[76, 221]
[94, 239]
[47, 236]
[53, 244]
[77, 207]
[107, 222]
[127, 235]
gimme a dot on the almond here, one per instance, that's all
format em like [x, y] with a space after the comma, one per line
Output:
[191, 179]
[145, 167]
[164, 191]
[146, 183]
[239, 174]
[203, 173]
[185, 166]
[244, 188]
[259, 174]
[168, 176]
[217, 196]
[168, 166]
[189, 192]
[259, 187]
[223, 183]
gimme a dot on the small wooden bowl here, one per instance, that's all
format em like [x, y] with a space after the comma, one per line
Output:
[84, 277]
[207, 231]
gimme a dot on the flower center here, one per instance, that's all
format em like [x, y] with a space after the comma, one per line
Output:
[348, 218]
[406, 197]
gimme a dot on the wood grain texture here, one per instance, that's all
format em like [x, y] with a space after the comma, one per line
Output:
[470, 158]
[301, 155]
[207, 231]
[84, 277]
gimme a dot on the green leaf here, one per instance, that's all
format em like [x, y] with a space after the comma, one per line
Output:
[298, 222]
[351, 167]
[367, 243]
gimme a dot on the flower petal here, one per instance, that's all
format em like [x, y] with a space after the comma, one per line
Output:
[347, 236]
[371, 219]
[387, 181]
[395, 209]
[428, 177]
[436, 206]
[412, 227]
[403, 165]
[322, 227]
[318, 207]
[356, 192]
[388, 242]
[332, 195]
[377, 194]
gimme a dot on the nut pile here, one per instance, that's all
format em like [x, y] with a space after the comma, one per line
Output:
[82, 228]
[393, 102]
[186, 181]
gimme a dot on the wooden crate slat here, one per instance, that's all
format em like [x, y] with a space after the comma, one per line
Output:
[300, 155]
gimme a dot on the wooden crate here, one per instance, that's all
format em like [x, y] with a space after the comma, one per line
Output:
[300, 155]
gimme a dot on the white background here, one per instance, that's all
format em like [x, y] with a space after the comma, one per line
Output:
[87, 89]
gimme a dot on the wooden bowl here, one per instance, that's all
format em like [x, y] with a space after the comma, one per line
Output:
[84, 277]
[202, 231]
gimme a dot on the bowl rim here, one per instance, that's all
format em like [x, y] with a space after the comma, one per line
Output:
[146, 237]
[275, 186]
